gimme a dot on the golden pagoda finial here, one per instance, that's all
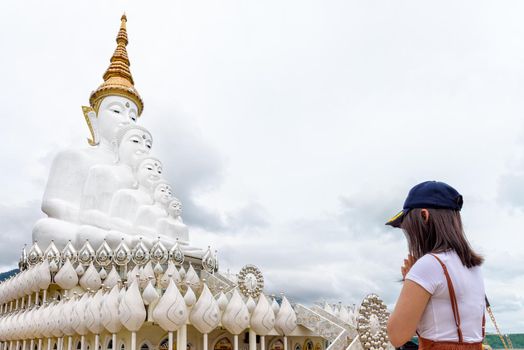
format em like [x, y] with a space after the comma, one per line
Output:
[117, 78]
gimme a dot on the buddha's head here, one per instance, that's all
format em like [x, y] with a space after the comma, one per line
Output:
[174, 209]
[132, 143]
[113, 113]
[149, 172]
[162, 193]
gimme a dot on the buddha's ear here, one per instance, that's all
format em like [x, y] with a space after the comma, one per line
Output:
[92, 123]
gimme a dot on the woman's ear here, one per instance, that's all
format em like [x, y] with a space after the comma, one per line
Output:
[425, 215]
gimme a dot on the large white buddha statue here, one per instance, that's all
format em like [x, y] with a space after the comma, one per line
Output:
[115, 103]
[126, 202]
[172, 227]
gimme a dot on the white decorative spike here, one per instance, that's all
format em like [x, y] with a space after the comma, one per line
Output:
[222, 301]
[236, 316]
[66, 277]
[91, 279]
[191, 278]
[150, 294]
[263, 317]
[250, 303]
[131, 310]
[112, 279]
[171, 311]
[190, 297]
[109, 311]
[205, 314]
[274, 305]
[286, 320]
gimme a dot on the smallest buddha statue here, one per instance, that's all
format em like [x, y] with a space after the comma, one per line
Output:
[172, 227]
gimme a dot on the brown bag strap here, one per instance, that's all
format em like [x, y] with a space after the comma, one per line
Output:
[452, 297]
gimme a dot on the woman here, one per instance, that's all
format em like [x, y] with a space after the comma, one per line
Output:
[442, 299]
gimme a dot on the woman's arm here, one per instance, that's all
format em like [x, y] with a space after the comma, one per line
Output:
[410, 306]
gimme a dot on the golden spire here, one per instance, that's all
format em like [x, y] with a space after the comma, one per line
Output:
[117, 78]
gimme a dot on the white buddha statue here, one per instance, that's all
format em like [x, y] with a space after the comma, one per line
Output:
[148, 215]
[115, 103]
[126, 202]
[132, 144]
[172, 227]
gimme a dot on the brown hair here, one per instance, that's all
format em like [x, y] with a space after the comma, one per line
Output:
[443, 231]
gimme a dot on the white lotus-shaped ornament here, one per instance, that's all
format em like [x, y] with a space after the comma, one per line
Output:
[192, 279]
[56, 319]
[132, 275]
[286, 320]
[66, 277]
[190, 297]
[44, 275]
[222, 301]
[250, 303]
[67, 315]
[171, 311]
[109, 311]
[131, 310]
[150, 294]
[47, 327]
[146, 274]
[79, 310]
[275, 306]
[112, 279]
[236, 316]
[168, 275]
[91, 279]
[205, 314]
[93, 318]
[263, 317]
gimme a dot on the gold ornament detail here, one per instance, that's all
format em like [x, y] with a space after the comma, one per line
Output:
[89, 114]
[117, 78]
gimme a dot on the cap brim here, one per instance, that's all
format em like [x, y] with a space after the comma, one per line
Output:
[396, 220]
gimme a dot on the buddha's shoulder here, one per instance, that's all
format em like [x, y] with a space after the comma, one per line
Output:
[88, 156]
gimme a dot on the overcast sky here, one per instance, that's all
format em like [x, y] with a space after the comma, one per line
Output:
[291, 130]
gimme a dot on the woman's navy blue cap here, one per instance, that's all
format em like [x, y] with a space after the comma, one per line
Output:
[429, 194]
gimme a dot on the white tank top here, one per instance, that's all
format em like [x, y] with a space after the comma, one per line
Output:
[437, 322]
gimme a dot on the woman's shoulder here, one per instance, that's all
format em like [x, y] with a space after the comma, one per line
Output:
[427, 262]
[426, 272]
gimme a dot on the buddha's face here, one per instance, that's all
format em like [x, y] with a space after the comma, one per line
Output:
[175, 208]
[149, 172]
[115, 111]
[163, 193]
[135, 145]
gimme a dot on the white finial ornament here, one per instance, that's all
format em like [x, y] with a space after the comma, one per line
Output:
[171, 311]
[236, 316]
[66, 277]
[131, 310]
[205, 314]
[286, 320]
[263, 317]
